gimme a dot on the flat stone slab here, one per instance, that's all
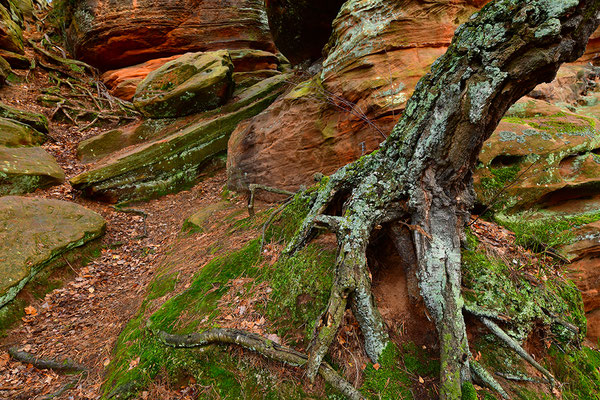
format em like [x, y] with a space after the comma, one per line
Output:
[24, 169]
[16, 134]
[33, 232]
[35, 120]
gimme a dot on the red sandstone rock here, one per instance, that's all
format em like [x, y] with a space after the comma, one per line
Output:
[123, 82]
[377, 53]
[111, 35]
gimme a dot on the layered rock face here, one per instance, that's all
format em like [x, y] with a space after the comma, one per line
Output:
[377, 53]
[112, 35]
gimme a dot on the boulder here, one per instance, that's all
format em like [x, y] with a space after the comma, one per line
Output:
[24, 169]
[111, 35]
[35, 120]
[11, 35]
[106, 143]
[189, 84]
[33, 232]
[16, 134]
[171, 157]
[123, 82]
[247, 63]
[301, 28]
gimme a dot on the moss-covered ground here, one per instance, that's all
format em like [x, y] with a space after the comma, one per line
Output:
[298, 292]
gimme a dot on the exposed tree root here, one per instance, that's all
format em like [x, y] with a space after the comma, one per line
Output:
[67, 62]
[487, 380]
[262, 346]
[517, 378]
[513, 344]
[66, 365]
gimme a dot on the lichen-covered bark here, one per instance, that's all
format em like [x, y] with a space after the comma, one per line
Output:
[422, 173]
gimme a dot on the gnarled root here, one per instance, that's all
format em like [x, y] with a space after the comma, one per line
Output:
[352, 282]
[262, 346]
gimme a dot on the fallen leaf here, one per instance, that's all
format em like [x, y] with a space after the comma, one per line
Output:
[376, 366]
[421, 380]
[106, 362]
[134, 363]
[4, 357]
[29, 310]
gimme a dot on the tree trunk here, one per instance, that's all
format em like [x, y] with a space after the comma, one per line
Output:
[421, 175]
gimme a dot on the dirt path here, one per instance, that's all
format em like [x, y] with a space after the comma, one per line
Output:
[82, 319]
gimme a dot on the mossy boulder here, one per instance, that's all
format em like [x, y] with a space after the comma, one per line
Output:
[167, 163]
[16, 134]
[35, 231]
[535, 154]
[25, 169]
[102, 145]
[11, 35]
[189, 84]
[35, 120]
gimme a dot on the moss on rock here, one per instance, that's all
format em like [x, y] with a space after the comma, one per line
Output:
[35, 231]
[173, 162]
[36, 121]
[24, 169]
[16, 134]
[189, 84]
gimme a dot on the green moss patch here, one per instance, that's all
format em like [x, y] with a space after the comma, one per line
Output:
[510, 291]
[398, 370]
[196, 309]
[539, 231]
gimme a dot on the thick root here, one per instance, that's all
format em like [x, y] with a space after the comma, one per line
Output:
[262, 346]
